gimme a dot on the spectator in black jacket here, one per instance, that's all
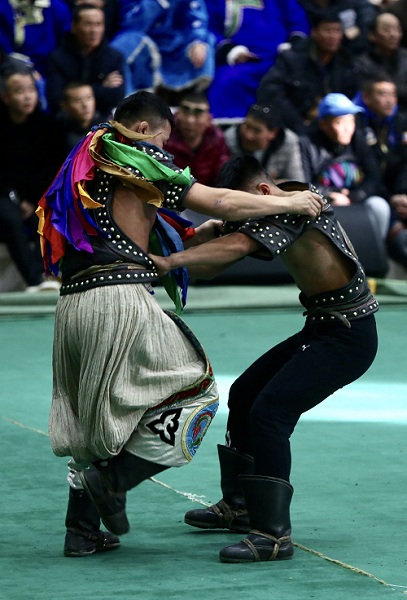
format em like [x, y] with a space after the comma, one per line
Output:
[385, 131]
[386, 54]
[337, 159]
[355, 15]
[308, 71]
[399, 8]
[30, 156]
[84, 55]
[78, 112]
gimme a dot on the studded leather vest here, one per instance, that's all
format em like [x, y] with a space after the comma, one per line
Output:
[116, 258]
[278, 232]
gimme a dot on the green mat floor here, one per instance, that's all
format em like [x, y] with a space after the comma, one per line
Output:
[349, 475]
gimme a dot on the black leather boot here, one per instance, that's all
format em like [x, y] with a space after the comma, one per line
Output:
[268, 503]
[107, 483]
[230, 512]
[83, 534]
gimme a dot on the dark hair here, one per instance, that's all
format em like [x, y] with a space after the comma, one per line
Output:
[196, 97]
[74, 85]
[14, 69]
[326, 16]
[371, 79]
[269, 115]
[78, 9]
[143, 106]
[242, 173]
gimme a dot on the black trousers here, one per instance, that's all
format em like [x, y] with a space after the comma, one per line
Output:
[267, 400]
[17, 235]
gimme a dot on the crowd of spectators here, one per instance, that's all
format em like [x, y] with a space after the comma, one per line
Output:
[242, 78]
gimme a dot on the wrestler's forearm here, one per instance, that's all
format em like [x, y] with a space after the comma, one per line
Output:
[207, 271]
[235, 205]
[217, 253]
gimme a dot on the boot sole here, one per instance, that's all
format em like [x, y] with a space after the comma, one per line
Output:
[201, 525]
[73, 554]
[236, 560]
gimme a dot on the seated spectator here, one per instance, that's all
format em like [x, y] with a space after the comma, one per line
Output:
[84, 55]
[78, 112]
[248, 36]
[386, 54]
[309, 71]
[337, 159]
[111, 8]
[261, 135]
[33, 29]
[167, 46]
[196, 142]
[399, 8]
[385, 130]
[30, 155]
[355, 15]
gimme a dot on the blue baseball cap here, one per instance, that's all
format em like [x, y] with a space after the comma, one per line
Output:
[337, 105]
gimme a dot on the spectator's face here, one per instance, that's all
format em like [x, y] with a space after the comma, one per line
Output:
[20, 96]
[381, 99]
[388, 32]
[193, 119]
[255, 135]
[89, 29]
[80, 104]
[328, 36]
[339, 129]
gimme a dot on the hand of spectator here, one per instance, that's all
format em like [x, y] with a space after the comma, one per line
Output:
[240, 54]
[113, 80]
[197, 54]
[399, 202]
[305, 203]
[244, 57]
[161, 264]
[339, 199]
[27, 209]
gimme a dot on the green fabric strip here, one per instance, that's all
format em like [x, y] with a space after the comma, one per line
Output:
[151, 169]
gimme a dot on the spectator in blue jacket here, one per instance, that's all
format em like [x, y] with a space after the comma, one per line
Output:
[167, 45]
[248, 36]
[33, 29]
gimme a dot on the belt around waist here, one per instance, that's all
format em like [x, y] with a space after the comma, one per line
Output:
[114, 276]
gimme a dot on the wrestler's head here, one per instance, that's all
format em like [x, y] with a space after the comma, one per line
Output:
[146, 113]
[246, 173]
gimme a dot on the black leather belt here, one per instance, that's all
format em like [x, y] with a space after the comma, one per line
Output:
[123, 274]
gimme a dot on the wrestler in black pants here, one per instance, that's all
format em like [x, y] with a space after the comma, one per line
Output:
[267, 400]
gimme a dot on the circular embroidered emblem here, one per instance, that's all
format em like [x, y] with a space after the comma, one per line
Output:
[196, 426]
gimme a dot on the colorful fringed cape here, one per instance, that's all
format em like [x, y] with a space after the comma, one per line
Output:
[65, 210]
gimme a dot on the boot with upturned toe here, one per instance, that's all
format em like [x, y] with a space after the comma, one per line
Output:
[110, 504]
[107, 483]
[268, 504]
[230, 512]
[82, 543]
